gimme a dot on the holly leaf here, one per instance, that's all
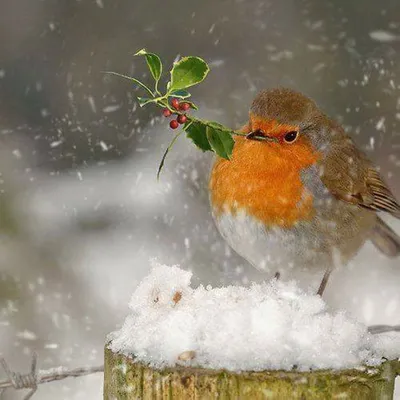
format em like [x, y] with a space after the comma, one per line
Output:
[180, 94]
[221, 142]
[196, 131]
[187, 72]
[153, 62]
[144, 100]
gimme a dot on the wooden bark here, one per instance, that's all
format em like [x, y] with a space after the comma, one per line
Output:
[125, 379]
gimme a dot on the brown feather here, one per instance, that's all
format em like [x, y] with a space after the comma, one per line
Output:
[351, 177]
[383, 198]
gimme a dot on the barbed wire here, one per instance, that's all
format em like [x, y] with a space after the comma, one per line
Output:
[34, 378]
[375, 329]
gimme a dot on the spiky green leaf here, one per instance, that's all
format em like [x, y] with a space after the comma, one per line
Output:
[187, 72]
[180, 94]
[145, 100]
[153, 62]
[221, 142]
[196, 131]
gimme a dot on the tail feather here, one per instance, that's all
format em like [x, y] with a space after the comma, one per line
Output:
[385, 239]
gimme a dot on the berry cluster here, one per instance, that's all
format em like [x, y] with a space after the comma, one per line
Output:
[181, 118]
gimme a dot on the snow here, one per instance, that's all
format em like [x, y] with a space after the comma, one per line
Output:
[383, 36]
[27, 335]
[112, 108]
[273, 325]
[388, 344]
[51, 346]
[380, 125]
[56, 143]
[92, 104]
[103, 145]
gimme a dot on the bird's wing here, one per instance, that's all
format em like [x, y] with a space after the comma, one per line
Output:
[383, 198]
[350, 176]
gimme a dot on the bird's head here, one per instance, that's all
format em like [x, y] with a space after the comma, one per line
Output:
[284, 126]
[285, 117]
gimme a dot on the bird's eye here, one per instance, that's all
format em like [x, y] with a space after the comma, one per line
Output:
[291, 136]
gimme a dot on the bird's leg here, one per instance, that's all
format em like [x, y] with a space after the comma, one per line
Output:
[334, 261]
[324, 281]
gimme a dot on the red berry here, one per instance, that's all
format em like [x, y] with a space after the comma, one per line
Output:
[174, 124]
[166, 112]
[181, 119]
[175, 103]
[184, 106]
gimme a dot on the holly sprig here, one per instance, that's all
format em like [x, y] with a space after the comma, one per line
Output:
[185, 73]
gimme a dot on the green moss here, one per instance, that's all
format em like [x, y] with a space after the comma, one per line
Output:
[126, 379]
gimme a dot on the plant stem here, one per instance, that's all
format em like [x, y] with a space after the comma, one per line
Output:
[193, 119]
[148, 90]
[165, 104]
[156, 88]
[166, 152]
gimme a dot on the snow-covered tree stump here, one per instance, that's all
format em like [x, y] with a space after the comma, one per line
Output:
[126, 379]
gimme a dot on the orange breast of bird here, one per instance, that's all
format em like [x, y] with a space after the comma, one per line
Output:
[264, 180]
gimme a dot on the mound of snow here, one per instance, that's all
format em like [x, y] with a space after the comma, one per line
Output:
[273, 325]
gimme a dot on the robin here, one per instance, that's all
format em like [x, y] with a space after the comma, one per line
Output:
[297, 194]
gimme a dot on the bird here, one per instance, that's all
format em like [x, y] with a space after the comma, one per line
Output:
[297, 195]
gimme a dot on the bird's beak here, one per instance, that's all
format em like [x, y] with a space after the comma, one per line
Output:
[261, 136]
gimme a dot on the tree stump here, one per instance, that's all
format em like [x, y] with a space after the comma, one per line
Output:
[125, 379]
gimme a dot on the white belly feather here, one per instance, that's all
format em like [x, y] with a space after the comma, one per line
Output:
[302, 251]
[288, 251]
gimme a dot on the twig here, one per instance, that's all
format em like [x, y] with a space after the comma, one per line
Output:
[34, 378]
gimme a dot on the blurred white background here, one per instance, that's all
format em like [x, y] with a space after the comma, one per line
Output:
[81, 211]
